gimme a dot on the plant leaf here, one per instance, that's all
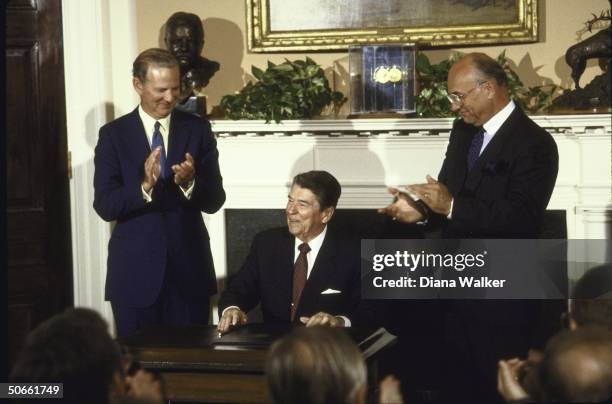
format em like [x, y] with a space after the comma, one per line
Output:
[257, 72]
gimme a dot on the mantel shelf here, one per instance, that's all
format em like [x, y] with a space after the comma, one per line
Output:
[555, 123]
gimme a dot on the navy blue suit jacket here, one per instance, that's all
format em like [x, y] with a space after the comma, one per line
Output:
[267, 275]
[167, 233]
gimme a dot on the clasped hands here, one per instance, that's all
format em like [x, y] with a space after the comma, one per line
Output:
[183, 172]
[433, 193]
[234, 316]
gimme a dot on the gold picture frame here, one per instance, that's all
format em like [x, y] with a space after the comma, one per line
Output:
[314, 25]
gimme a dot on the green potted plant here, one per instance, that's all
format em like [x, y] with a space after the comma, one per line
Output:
[290, 90]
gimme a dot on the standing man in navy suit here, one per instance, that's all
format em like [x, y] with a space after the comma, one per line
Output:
[496, 180]
[156, 170]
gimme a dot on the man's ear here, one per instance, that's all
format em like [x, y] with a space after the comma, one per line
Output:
[138, 86]
[487, 85]
[328, 213]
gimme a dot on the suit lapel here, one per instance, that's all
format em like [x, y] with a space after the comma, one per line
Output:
[283, 265]
[136, 139]
[177, 138]
[460, 166]
[494, 149]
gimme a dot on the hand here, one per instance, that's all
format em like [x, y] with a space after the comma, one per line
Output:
[230, 318]
[390, 392]
[322, 318]
[434, 194]
[143, 385]
[184, 172]
[151, 169]
[400, 209]
[508, 385]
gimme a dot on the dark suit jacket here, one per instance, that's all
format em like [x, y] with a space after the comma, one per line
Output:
[267, 275]
[507, 191]
[168, 232]
[504, 196]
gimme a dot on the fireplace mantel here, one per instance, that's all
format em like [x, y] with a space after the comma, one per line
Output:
[574, 124]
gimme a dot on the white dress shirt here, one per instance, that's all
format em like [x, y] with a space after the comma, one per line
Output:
[315, 246]
[492, 125]
[148, 122]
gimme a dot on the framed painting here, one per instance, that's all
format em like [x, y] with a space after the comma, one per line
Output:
[311, 25]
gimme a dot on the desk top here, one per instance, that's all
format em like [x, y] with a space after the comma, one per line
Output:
[242, 349]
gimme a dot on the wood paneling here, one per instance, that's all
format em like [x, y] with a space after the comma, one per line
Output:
[38, 223]
[23, 142]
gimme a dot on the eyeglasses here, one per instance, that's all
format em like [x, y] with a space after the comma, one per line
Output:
[455, 98]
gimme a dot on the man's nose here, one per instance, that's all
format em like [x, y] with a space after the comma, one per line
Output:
[169, 96]
[290, 208]
[455, 106]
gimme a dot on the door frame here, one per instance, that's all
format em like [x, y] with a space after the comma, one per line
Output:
[100, 44]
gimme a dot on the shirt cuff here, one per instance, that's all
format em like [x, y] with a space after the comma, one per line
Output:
[450, 214]
[187, 192]
[147, 196]
[229, 307]
[347, 322]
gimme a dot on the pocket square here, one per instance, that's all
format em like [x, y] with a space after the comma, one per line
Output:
[330, 292]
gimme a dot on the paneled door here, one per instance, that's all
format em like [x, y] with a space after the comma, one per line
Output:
[38, 209]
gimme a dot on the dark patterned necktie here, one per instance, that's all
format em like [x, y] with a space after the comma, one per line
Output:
[299, 277]
[158, 140]
[475, 147]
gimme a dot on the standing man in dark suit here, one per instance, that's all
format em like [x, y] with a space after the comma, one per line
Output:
[300, 273]
[156, 170]
[496, 180]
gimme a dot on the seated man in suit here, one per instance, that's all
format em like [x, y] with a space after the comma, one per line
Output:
[302, 272]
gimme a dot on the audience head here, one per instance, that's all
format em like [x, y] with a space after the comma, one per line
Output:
[591, 303]
[311, 203]
[577, 366]
[316, 365]
[477, 86]
[73, 348]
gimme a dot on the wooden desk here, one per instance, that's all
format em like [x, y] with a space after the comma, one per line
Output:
[198, 367]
